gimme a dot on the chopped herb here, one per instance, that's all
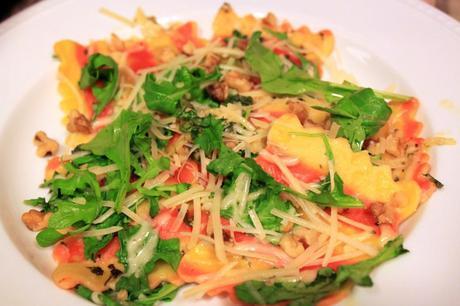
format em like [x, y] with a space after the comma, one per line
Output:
[437, 183]
[244, 100]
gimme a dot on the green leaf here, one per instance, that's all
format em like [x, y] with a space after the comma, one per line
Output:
[226, 162]
[40, 202]
[134, 285]
[334, 198]
[262, 60]
[101, 75]
[168, 251]
[154, 207]
[263, 207]
[166, 292]
[82, 180]
[327, 281]
[114, 142]
[243, 100]
[165, 96]
[258, 292]
[164, 190]
[359, 272]
[206, 131]
[36, 202]
[209, 138]
[278, 35]
[48, 237]
[84, 292]
[107, 300]
[94, 245]
[360, 116]
[69, 213]
[153, 169]
[297, 81]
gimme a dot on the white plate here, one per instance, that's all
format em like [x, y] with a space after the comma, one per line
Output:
[382, 43]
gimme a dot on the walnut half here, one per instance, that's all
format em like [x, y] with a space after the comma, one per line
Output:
[78, 123]
[45, 145]
[35, 220]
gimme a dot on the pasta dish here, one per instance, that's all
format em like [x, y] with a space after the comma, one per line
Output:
[230, 163]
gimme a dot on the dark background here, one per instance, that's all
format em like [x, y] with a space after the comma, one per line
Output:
[9, 8]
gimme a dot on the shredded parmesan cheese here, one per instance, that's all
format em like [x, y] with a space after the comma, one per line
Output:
[102, 232]
[340, 236]
[258, 225]
[180, 217]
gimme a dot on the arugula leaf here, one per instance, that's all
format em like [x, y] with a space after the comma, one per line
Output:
[336, 197]
[101, 75]
[164, 190]
[134, 285]
[326, 282]
[230, 162]
[360, 115]
[165, 96]
[84, 292]
[68, 213]
[114, 142]
[296, 81]
[209, 138]
[262, 60]
[36, 202]
[108, 301]
[153, 169]
[258, 292]
[45, 206]
[94, 245]
[166, 292]
[263, 207]
[48, 237]
[168, 251]
[359, 272]
[80, 180]
[154, 206]
[278, 35]
[206, 131]
[226, 162]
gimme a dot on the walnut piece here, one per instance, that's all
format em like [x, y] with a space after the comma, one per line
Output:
[35, 220]
[45, 145]
[218, 91]
[383, 213]
[211, 61]
[291, 245]
[78, 123]
[238, 81]
[299, 109]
